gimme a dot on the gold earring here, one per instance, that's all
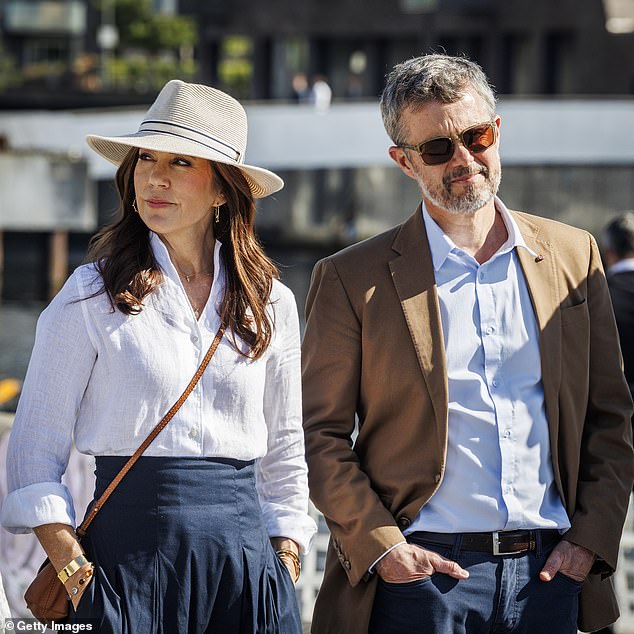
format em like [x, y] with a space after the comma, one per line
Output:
[136, 211]
[217, 213]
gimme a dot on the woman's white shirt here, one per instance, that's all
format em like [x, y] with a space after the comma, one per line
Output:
[105, 379]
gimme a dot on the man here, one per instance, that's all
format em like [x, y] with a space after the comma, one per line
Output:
[618, 237]
[489, 481]
[618, 253]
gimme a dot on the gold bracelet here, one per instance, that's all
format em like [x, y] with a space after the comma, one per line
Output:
[83, 579]
[71, 568]
[297, 564]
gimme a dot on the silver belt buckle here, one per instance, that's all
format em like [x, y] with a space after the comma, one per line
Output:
[496, 546]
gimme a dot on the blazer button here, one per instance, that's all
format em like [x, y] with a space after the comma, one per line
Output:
[403, 522]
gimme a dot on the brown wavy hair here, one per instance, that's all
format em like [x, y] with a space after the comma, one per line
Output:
[122, 254]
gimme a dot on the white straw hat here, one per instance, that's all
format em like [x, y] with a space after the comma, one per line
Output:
[194, 120]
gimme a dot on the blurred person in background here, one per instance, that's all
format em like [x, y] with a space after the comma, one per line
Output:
[488, 484]
[618, 251]
[320, 93]
[203, 533]
[300, 88]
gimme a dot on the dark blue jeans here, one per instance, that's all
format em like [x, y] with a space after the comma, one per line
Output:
[502, 594]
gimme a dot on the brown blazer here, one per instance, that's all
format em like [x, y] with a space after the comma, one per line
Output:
[373, 348]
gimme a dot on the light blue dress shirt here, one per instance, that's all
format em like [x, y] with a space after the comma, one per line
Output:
[498, 472]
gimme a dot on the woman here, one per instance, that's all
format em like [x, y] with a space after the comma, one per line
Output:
[187, 541]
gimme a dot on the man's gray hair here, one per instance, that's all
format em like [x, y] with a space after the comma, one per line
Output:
[434, 77]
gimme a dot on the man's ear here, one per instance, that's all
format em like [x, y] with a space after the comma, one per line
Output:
[400, 157]
[498, 121]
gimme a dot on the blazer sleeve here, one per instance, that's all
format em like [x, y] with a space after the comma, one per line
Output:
[606, 465]
[362, 527]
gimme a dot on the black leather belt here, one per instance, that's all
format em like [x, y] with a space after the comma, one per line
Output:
[496, 543]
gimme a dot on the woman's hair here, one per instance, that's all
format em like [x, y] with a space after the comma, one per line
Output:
[122, 254]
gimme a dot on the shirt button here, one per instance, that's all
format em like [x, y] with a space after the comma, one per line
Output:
[489, 330]
[193, 433]
[403, 522]
[507, 434]
[494, 383]
[195, 339]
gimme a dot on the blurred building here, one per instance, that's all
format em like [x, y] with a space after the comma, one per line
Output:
[57, 54]
[253, 48]
[537, 47]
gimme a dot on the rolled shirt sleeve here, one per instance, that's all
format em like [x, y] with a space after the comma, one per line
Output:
[42, 433]
[281, 475]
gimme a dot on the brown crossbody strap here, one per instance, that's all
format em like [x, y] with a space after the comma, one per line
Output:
[81, 531]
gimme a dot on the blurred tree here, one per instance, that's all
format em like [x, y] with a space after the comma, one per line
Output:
[235, 68]
[140, 27]
[151, 49]
[9, 75]
[142, 74]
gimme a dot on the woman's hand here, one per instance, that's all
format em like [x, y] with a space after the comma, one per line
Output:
[288, 552]
[77, 583]
[61, 546]
[60, 543]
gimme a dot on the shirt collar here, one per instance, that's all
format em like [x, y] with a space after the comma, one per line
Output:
[170, 297]
[441, 245]
[622, 266]
[163, 259]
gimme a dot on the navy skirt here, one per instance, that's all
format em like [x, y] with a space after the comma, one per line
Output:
[181, 546]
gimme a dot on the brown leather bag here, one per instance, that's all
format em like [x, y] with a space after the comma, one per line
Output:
[46, 597]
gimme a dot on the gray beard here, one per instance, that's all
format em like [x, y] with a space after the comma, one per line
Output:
[473, 198]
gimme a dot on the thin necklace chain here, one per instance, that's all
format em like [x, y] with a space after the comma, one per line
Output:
[188, 279]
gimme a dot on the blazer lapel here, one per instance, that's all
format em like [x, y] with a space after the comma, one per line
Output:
[413, 276]
[541, 279]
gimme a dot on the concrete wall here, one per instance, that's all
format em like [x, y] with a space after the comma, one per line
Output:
[42, 192]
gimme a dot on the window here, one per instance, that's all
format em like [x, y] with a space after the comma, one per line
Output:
[45, 16]
[322, 527]
[320, 560]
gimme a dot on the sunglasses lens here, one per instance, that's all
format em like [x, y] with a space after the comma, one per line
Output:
[479, 138]
[437, 151]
